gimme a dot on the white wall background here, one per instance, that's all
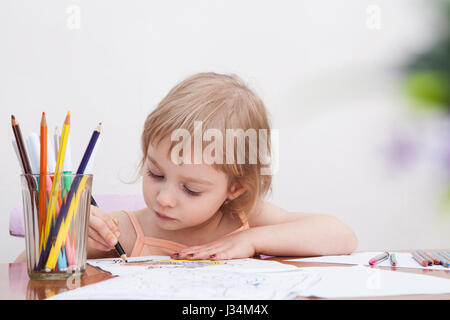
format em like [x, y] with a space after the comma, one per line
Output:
[328, 78]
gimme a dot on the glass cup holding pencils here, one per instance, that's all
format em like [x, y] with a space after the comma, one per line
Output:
[56, 212]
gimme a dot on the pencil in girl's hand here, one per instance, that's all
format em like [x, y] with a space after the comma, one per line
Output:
[118, 246]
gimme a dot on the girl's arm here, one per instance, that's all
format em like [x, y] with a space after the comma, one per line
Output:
[274, 231]
[278, 232]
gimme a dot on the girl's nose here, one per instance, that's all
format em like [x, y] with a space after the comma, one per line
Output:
[166, 197]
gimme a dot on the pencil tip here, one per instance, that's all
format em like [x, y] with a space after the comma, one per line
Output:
[67, 121]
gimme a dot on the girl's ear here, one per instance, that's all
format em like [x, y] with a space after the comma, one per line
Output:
[235, 191]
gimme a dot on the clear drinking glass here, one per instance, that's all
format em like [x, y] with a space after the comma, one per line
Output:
[56, 235]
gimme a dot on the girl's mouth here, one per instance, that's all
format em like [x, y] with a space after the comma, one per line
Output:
[163, 217]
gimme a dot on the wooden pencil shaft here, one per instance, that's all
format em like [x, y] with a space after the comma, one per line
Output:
[425, 257]
[21, 147]
[25, 161]
[42, 177]
[420, 259]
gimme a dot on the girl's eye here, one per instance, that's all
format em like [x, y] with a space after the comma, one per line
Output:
[192, 193]
[151, 174]
[188, 191]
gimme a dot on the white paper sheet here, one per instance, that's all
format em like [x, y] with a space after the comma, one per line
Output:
[198, 283]
[360, 281]
[154, 278]
[404, 260]
[136, 264]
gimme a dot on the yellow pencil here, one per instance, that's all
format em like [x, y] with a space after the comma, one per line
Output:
[51, 210]
[64, 229]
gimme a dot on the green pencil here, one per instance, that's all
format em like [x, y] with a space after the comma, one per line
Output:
[393, 259]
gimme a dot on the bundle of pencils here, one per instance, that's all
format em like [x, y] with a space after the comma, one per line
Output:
[428, 258]
[55, 199]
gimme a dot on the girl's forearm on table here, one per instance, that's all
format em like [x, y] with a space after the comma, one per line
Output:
[314, 235]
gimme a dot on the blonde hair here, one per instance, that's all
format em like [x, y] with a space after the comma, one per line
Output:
[221, 102]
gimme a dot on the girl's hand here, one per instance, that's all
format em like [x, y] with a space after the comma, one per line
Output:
[235, 246]
[103, 230]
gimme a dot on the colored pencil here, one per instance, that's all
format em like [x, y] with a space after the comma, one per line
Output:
[21, 146]
[56, 229]
[377, 259]
[431, 256]
[423, 255]
[57, 140]
[53, 201]
[443, 261]
[67, 168]
[444, 255]
[393, 259]
[43, 176]
[63, 259]
[64, 229]
[14, 144]
[422, 261]
[25, 161]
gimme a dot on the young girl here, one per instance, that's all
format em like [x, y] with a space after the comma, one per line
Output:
[203, 209]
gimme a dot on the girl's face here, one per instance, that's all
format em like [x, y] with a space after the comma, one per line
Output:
[181, 196]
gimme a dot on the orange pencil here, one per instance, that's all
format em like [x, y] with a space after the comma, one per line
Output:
[42, 177]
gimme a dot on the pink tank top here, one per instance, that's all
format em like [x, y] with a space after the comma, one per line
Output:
[149, 246]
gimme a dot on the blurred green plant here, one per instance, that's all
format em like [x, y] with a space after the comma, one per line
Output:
[428, 74]
[428, 84]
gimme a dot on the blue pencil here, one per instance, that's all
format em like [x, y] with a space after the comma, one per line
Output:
[62, 262]
[445, 255]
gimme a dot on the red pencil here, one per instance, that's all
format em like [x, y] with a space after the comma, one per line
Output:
[432, 257]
